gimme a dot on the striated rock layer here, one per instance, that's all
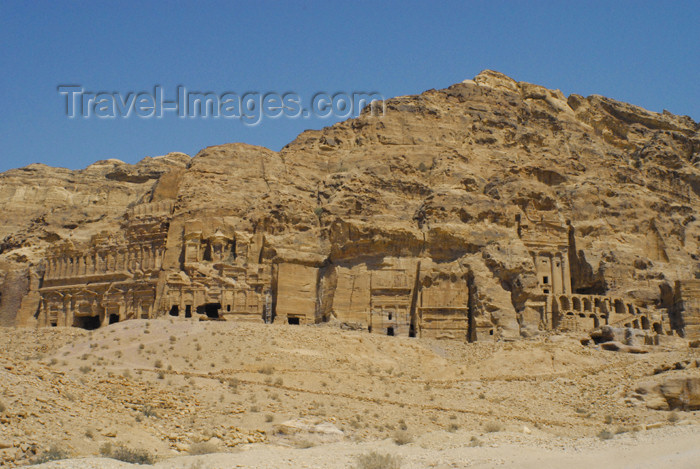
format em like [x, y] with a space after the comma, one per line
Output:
[490, 209]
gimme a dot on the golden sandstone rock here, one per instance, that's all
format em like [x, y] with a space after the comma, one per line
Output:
[492, 209]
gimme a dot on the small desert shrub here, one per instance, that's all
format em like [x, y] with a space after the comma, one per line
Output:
[148, 411]
[266, 369]
[482, 396]
[279, 382]
[52, 454]
[161, 375]
[85, 369]
[304, 444]
[374, 460]
[53, 361]
[402, 437]
[608, 419]
[474, 442]
[493, 427]
[254, 408]
[122, 453]
[269, 418]
[673, 417]
[158, 364]
[2, 407]
[89, 433]
[453, 427]
[173, 339]
[605, 435]
[203, 447]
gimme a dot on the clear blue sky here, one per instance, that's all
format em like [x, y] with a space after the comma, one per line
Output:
[646, 53]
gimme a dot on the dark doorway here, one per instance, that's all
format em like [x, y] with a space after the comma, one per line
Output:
[87, 322]
[175, 310]
[113, 318]
[294, 321]
[210, 309]
[188, 311]
[389, 331]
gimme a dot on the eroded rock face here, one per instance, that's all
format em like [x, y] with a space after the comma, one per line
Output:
[489, 209]
[681, 393]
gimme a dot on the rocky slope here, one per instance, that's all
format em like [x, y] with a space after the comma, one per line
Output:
[442, 176]
[173, 388]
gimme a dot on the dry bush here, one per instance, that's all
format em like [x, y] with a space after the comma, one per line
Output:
[374, 460]
[304, 444]
[128, 455]
[402, 437]
[52, 454]
[605, 435]
[266, 369]
[203, 447]
[493, 427]
[149, 411]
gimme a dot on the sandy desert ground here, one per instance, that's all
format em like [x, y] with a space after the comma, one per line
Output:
[225, 394]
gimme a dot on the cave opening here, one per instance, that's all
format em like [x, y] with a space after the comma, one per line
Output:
[87, 322]
[211, 310]
[175, 310]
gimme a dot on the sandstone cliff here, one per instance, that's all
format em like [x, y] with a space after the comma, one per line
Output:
[432, 219]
